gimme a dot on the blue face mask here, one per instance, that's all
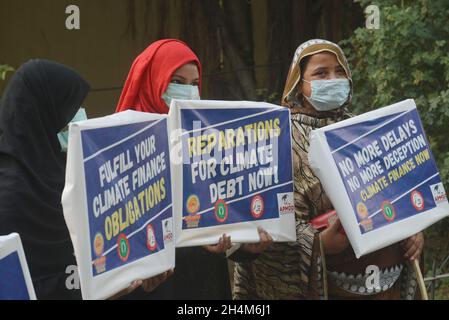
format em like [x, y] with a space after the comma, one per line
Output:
[329, 94]
[180, 92]
[63, 136]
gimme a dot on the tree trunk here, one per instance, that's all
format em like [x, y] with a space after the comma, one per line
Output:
[243, 72]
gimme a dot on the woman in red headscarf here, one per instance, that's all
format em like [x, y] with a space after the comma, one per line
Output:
[168, 69]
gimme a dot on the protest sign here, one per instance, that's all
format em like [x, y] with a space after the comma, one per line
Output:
[233, 167]
[15, 279]
[117, 200]
[379, 173]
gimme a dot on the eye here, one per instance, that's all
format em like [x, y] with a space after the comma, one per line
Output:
[341, 72]
[176, 81]
[195, 83]
[321, 74]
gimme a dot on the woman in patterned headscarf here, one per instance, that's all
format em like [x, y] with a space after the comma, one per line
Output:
[318, 91]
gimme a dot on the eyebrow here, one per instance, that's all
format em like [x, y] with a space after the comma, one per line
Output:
[320, 69]
[177, 75]
[327, 68]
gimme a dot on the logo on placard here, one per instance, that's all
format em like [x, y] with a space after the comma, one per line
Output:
[123, 247]
[362, 210]
[221, 210]
[417, 200]
[365, 222]
[193, 204]
[257, 207]
[98, 244]
[100, 265]
[192, 221]
[439, 195]
[388, 211]
[367, 225]
[100, 262]
[151, 238]
[167, 230]
[285, 203]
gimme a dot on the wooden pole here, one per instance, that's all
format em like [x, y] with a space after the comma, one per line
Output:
[419, 278]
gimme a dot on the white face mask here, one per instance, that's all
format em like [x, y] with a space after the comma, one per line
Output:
[329, 94]
[180, 92]
[63, 136]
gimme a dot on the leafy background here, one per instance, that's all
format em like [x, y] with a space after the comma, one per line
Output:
[408, 57]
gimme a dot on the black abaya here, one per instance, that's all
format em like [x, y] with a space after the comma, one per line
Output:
[40, 99]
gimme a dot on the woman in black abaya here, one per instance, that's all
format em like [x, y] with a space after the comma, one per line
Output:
[40, 100]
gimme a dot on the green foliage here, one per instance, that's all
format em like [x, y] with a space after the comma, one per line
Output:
[4, 69]
[408, 57]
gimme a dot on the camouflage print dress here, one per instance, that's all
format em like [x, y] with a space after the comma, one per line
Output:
[295, 270]
[284, 270]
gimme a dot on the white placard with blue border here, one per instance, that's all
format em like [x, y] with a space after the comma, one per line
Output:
[233, 168]
[15, 278]
[380, 174]
[117, 200]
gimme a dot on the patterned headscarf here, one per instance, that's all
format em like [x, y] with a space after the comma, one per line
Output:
[290, 96]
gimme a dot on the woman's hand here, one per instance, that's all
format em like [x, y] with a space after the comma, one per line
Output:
[262, 245]
[223, 244]
[134, 285]
[413, 246]
[150, 284]
[334, 242]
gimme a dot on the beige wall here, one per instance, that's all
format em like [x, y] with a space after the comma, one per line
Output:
[102, 51]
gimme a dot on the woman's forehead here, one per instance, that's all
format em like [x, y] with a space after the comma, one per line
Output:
[324, 58]
[187, 69]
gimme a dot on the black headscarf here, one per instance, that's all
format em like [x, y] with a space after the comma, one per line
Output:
[40, 100]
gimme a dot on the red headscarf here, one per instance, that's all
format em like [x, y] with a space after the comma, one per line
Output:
[151, 74]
